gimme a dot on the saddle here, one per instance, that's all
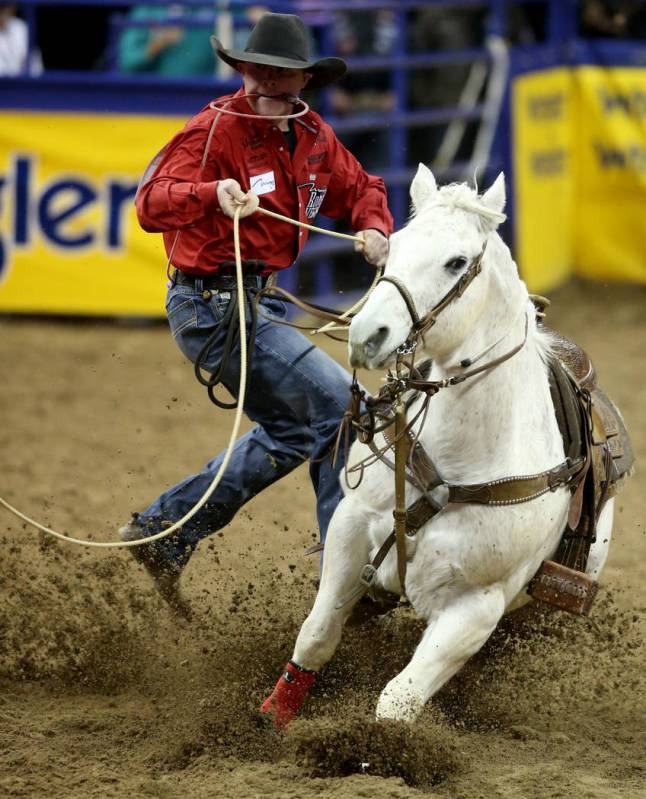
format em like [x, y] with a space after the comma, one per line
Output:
[592, 429]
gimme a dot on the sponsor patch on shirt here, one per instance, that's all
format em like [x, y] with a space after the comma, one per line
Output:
[315, 199]
[263, 184]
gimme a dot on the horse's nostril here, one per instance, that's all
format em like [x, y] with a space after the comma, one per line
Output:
[375, 341]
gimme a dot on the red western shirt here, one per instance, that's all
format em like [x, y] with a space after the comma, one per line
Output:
[321, 175]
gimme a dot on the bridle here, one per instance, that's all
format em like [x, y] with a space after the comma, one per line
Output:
[405, 376]
[421, 326]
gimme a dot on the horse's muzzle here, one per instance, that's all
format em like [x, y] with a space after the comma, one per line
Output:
[367, 353]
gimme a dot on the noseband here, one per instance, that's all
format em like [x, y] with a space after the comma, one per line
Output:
[420, 326]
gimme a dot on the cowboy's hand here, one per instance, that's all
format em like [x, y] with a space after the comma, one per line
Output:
[230, 196]
[373, 245]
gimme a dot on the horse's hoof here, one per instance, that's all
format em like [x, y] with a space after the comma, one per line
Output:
[288, 695]
[274, 717]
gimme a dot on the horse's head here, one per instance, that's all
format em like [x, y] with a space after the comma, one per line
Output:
[442, 247]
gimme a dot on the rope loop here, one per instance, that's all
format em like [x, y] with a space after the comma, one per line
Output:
[219, 107]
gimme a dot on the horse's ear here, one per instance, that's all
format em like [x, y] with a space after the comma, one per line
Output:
[422, 187]
[494, 198]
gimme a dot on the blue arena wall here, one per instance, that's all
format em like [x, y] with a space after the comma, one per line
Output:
[569, 134]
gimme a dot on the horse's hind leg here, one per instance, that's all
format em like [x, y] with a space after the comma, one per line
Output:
[346, 551]
[452, 637]
[599, 549]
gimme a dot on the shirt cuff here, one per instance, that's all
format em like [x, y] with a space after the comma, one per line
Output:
[207, 195]
[372, 227]
[370, 221]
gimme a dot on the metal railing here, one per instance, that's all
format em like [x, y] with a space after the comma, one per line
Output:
[482, 106]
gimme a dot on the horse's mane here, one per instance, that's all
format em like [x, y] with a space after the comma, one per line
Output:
[462, 196]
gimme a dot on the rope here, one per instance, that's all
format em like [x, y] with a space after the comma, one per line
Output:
[238, 416]
[227, 455]
[217, 106]
[361, 302]
[348, 236]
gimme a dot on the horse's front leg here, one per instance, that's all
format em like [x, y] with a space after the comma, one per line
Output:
[346, 550]
[453, 635]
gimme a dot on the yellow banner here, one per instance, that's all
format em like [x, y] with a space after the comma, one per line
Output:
[579, 149]
[542, 151]
[610, 210]
[70, 242]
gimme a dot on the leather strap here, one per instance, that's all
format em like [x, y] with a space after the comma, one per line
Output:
[314, 310]
[416, 515]
[406, 297]
[425, 474]
[400, 493]
[514, 490]
[367, 573]
[420, 326]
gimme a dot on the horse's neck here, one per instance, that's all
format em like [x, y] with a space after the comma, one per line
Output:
[501, 421]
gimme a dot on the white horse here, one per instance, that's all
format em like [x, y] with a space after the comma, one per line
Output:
[470, 562]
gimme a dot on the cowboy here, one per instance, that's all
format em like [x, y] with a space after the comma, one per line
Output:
[240, 150]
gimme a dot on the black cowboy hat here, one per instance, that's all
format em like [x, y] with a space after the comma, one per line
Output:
[281, 40]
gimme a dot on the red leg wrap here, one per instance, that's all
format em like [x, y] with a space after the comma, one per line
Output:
[289, 694]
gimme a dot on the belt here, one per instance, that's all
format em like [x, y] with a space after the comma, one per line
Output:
[217, 282]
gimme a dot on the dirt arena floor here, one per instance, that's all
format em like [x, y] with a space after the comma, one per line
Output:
[103, 694]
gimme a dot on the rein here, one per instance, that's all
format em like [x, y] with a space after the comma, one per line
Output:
[233, 334]
[335, 319]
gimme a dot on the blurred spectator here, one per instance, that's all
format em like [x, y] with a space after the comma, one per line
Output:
[613, 18]
[440, 28]
[15, 58]
[181, 49]
[356, 34]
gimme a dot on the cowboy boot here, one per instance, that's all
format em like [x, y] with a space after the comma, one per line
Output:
[165, 574]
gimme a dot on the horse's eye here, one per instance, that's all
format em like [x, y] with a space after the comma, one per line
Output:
[455, 264]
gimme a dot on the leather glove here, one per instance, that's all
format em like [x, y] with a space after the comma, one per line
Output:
[230, 196]
[374, 246]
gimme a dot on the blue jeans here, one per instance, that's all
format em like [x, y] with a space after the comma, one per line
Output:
[295, 393]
